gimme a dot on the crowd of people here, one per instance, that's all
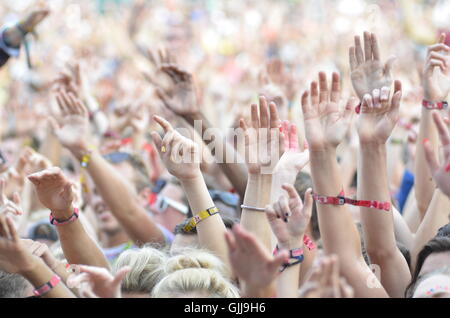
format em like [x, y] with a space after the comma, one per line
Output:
[224, 149]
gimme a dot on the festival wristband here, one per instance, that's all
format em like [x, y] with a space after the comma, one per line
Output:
[247, 207]
[322, 199]
[295, 254]
[196, 219]
[308, 242]
[434, 105]
[341, 200]
[47, 287]
[58, 222]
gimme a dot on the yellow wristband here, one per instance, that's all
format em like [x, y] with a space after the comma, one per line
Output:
[200, 217]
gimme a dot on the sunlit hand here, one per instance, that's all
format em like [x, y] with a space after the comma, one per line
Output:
[288, 217]
[436, 84]
[379, 114]
[180, 155]
[325, 124]
[367, 71]
[250, 260]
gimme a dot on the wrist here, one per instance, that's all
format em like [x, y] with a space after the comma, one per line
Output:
[291, 243]
[62, 214]
[30, 269]
[80, 150]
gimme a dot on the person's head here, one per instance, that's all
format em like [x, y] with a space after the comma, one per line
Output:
[195, 283]
[444, 231]
[43, 232]
[170, 206]
[435, 284]
[146, 270]
[106, 221]
[191, 257]
[184, 239]
[14, 286]
[433, 256]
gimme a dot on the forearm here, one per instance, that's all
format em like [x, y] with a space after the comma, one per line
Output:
[210, 231]
[79, 247]
[437, 216]
[258, 195]
[423, 181]
[338, 231]
[288, 281]
[378, 225]
[40, 275]
[122, 201]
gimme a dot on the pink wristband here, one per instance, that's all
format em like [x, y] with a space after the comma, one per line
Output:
[72, 218]
[44, 289]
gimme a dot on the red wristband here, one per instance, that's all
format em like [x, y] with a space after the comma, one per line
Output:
[322, 199]
[308, 242]
[72, 218]
[44, 289]
[434, 105]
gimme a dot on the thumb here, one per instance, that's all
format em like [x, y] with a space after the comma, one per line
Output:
[388, 66]
[120, 275]
[157, 140]
[280, 259]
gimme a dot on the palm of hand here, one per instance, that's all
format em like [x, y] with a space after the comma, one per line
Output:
[74, 128]
[369, 76]
[296, 225]
[326, 127]
[184, 165]
[263, 154]
[374, 127]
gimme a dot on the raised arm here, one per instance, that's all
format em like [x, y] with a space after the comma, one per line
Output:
[325, 128]
[436, 85]
[289, 218]
[55, 192]
[180, 98]
[181, 157]
[379, 114]
[73, 133]
[15, 257]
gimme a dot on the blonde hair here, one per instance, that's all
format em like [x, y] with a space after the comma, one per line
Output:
[146, 268]
[195, 258]
[201, 281]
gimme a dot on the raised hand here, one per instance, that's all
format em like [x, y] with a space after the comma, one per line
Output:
[379, 114]
[288, 217]
[325, 281]
[325, 124]
[440, 173]
[180, 96]
[180, 155]
[98, 281]
[293, 160]
[250, 260]
[54, 191]
[367, 71]
[436, 85]
[14, 255]
[41, 250]
[73, 129]
[7, 206]
[263, 139]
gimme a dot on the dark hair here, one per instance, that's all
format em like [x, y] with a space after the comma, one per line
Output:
[302, 183]
[438, 244]
[444, 231]
[405, 252]
[12, 285]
